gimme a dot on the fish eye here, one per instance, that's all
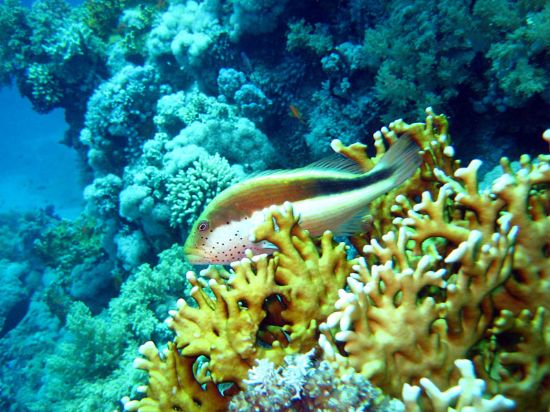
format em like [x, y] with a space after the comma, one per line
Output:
[203, 226]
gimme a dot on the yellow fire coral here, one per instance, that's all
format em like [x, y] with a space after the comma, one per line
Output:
[267, 307]
[446, 272]
[466, 396]
[436, 273]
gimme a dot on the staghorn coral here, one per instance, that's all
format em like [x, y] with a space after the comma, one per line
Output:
[266, 308]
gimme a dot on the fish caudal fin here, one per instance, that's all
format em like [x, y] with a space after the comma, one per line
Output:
[400, 161]
[397, 165]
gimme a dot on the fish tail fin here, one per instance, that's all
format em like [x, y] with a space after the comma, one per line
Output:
[400, 161]
[397, 165]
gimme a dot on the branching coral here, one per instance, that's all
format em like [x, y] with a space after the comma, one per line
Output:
[526, 200]
[265, 308]
[191, 190]
[430, 286]
[518, 360]
[387, 323]
[427, 291]
[466, 396]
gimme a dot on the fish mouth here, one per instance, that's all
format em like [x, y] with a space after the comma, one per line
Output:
[193, 256]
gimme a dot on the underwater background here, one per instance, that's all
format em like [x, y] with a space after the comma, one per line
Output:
[121, 120]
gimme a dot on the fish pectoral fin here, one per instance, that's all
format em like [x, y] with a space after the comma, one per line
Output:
[355, 224]
[264, 244]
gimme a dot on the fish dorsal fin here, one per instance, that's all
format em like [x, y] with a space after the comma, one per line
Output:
[337, 162]
[332, 162]
[262, 173]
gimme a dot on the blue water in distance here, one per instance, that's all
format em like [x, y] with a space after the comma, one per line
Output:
[36, 170]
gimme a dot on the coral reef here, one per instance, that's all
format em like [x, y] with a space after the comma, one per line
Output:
[54, 57]
[307, 384]
[516, 73]
[119, 116]
[265, 309]
[467, 395]
[189, 192]
[427, 291]
[424, 293]
[169, 102]
[255, 17]
[412, 68]
[91, 366]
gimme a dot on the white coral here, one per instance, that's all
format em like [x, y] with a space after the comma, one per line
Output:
[467, 396]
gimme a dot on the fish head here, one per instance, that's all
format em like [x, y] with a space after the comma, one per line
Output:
[212, 241]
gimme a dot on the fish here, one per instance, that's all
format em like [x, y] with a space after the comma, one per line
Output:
[295, 112]
[331, 194]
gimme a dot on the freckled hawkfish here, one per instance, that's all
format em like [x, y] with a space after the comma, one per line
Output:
[332, 194]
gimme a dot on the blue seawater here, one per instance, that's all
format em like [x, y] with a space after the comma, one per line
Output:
[38, 171]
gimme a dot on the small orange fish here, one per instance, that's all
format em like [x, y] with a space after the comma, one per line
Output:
[296, 113]
[332, 194]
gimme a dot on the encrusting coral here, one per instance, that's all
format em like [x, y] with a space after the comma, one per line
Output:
[440, 277]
